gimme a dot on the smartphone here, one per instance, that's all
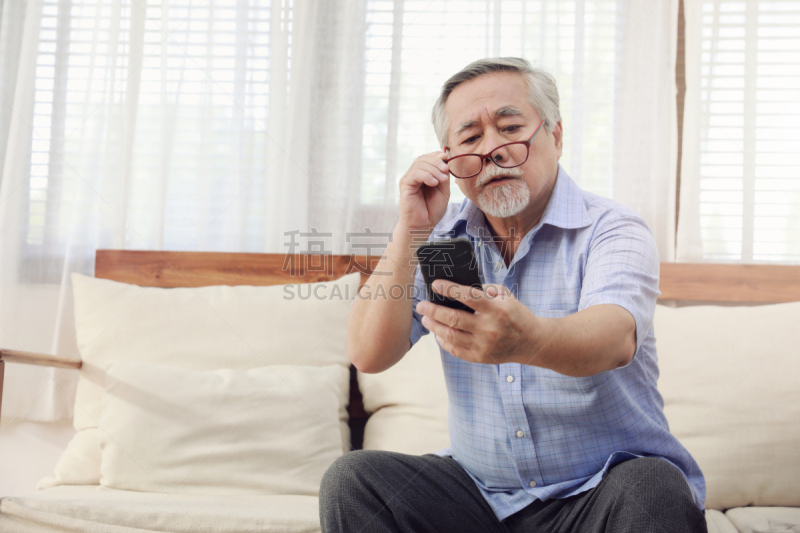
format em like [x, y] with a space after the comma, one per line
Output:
[453, 260]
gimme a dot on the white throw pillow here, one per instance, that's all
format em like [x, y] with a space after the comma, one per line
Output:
[408, 403]
[79, 463]
[730, 378]
[204, 328]
[269, 430]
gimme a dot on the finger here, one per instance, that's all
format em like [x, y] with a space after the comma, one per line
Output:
[422, 176]
[469, 296]
[497, 292]
[444, 189]
[429, 169]
[441, 161]
[438, 170]
[453, 340]
[456, 351]
[467, 353]
[437, 157]
[464, 352]
[459, 343]
[454, 318]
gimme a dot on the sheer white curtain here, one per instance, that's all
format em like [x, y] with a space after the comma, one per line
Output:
[12, 22]
[645, 118]
[614, 62]
[159, 126]
[249, 125]
[740, 183]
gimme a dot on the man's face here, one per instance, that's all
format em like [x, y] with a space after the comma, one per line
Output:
[490, 111]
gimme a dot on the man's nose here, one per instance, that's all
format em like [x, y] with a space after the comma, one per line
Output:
[491, 140]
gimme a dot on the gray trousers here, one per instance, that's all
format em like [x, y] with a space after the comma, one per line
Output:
[386, 492]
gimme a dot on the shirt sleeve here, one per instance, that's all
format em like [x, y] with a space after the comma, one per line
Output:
[420, 293]
[622, 268]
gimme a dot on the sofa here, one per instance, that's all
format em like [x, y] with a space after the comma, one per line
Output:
[224, 416]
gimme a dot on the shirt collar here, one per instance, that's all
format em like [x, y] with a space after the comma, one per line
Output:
[468, 214]
[565, 209]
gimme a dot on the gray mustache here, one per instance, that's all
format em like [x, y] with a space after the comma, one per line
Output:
[493, 171]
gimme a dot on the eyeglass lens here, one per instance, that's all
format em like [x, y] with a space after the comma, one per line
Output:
[509, 156]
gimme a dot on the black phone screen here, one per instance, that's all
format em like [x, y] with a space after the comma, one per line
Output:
[453, 260]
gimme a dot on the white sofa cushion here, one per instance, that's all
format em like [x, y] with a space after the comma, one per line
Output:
[717, 522]
[205, 328]
[408, 403]
[730, 378]
[92, 509]
[269, 430]
[765, 519]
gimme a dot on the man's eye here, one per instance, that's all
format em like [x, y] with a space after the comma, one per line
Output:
[512, 129]
[470, 140]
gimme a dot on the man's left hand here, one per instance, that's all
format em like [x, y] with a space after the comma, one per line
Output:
[499, 332]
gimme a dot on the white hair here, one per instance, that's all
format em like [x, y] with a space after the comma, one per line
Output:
[542, 90]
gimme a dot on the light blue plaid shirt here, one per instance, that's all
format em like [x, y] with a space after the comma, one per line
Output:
[525, 433]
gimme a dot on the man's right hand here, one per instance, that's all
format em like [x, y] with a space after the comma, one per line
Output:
[424, 192]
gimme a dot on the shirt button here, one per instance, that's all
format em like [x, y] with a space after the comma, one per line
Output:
[510, 378]
[499, 265]
[480, 243]
[532, 483]
[520, 433]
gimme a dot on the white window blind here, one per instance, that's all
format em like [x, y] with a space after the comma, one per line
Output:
[158, 109]
[151, 119]
[750, 131]
[412, 47]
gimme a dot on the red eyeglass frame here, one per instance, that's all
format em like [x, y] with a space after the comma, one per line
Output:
[488, 156]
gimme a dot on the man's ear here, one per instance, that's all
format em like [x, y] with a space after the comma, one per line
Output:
[558, 136]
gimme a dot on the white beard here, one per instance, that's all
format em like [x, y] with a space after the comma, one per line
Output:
[505, 199]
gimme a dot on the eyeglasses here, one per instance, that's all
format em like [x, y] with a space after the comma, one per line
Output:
[508, 155]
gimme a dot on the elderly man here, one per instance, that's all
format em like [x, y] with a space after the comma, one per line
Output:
[555, 421]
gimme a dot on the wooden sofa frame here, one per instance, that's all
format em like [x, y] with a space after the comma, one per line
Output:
[717, 283]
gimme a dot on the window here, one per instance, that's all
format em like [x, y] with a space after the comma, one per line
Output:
[153, 107]
[412, 47]
[750, 131]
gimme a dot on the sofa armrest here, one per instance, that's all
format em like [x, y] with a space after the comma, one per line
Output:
[30, 358]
